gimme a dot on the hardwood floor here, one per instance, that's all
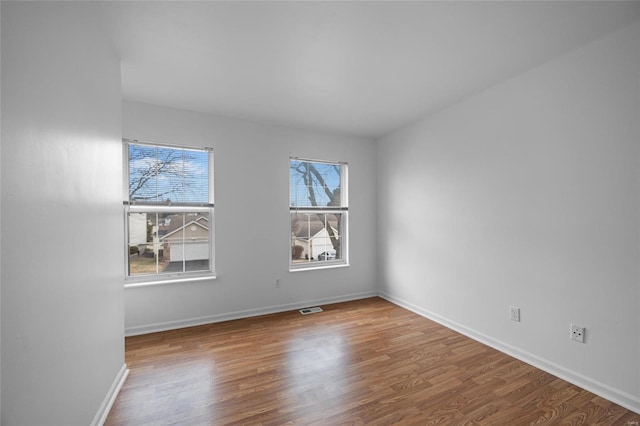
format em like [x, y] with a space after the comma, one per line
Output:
[366, 362]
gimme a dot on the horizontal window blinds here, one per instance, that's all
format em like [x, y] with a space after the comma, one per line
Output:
[168, 175]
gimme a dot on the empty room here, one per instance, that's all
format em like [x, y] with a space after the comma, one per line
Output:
[317, 212]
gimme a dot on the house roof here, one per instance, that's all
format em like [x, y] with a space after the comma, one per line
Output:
[305, 225]
[175, 224]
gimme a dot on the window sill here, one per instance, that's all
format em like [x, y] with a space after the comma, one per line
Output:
[133, 283]
[315, 267]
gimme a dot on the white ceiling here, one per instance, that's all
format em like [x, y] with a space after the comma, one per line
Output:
[363, 68]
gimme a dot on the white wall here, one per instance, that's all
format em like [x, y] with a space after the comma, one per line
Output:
[62, 238]
[0, 228]
[528, 195]
[251, 199]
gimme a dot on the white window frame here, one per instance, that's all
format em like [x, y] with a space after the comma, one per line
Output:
[133, 206]
[342, 209]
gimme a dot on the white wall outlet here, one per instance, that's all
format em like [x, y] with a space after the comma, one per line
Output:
[277, 282]
[577, 333]
[514, 313]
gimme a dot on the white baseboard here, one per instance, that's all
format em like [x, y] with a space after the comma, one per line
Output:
[110, 398]
[624, 399]
[210, 319]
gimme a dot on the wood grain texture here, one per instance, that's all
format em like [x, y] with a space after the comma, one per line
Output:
[366, 362]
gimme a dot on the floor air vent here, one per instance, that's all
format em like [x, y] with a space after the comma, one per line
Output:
[307, 311]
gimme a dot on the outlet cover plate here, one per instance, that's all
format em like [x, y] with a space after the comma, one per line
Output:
[577, 333]
[514, 313]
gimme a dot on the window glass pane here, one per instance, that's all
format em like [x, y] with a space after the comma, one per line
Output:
[168, 175]
[196, 177]
[142, 164]
[146, 255]
[196, 255]
[316, 237]
[314, 184]
[187, 240]
[168, 242]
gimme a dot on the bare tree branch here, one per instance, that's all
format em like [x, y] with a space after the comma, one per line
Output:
[165, 166]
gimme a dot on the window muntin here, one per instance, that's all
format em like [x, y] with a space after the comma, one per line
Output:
[318, 213]
[168, 212]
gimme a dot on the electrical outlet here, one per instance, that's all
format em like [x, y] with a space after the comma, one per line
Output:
[277, 282]
[577, 333]
[514, 313]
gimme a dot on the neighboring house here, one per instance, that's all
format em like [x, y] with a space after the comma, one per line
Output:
[137, 229]
[188, 241]
[309, 232]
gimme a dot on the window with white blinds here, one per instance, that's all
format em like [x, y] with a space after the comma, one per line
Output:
[318, 211]
[168, 211]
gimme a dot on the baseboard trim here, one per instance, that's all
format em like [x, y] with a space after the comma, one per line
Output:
[624, 399]
[210, 319]
[110, 398]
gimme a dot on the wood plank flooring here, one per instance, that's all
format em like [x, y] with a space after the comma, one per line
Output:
[365, 362]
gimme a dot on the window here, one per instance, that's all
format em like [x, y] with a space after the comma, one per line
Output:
[319, 212]
[168, 211]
